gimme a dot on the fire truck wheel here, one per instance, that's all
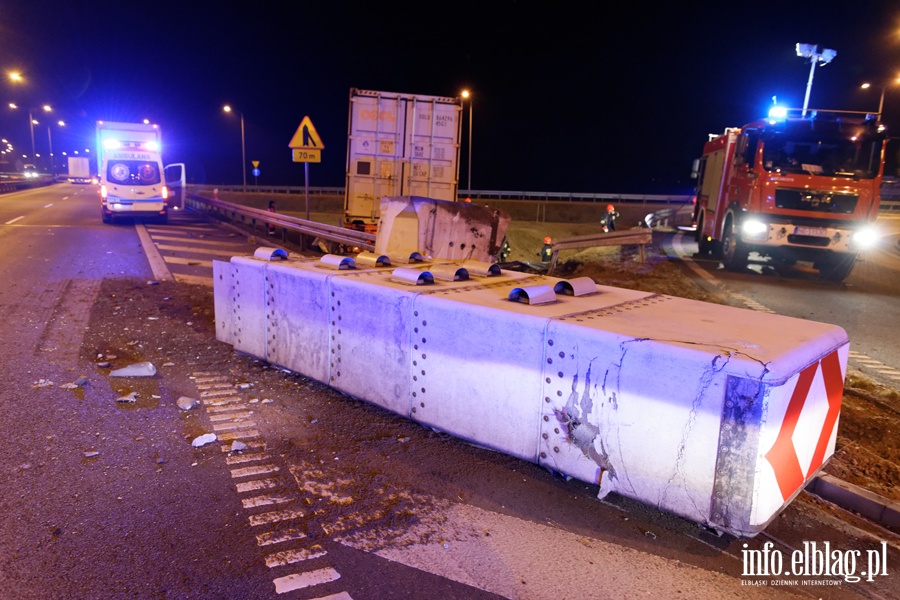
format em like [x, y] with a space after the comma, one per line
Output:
[705, 246]
[837, 267]
[734, 251]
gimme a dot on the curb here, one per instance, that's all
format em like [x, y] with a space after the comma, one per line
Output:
[870, 505]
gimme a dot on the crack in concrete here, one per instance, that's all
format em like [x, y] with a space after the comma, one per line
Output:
[706, 380]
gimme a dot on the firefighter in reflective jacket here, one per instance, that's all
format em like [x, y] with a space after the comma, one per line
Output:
[546, 250]
[609, 219]
[505, 250]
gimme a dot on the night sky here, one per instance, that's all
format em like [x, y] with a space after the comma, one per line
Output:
[567, 96]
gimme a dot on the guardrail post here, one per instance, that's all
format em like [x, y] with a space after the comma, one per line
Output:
[553, 258]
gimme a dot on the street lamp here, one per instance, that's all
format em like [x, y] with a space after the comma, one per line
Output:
[815, 56]
[31, 124]
[467, 96]
[867, 85]
[50, 144]
[228, 109]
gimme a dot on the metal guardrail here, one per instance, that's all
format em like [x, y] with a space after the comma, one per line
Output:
[640, 237]
[476, 194]
[890, 202]
[15, 183]
[243, 214]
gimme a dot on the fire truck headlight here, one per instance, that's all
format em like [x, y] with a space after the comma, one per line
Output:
[754, 229]
[865, 238]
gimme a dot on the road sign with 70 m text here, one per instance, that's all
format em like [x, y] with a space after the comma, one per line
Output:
[304, 155]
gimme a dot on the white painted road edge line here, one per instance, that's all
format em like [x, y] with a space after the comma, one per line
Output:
[157, 264]
[686, 259]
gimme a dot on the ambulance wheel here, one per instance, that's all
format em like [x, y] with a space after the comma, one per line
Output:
[734, 251]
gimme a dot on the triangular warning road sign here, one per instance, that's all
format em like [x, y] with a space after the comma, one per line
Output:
[306, 137]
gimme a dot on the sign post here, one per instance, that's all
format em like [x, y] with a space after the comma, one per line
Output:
[306, 146]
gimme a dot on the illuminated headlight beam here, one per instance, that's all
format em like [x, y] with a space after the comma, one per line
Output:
[865, 239]
[754, 229]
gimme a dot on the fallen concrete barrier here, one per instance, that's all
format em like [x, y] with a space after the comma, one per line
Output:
[717, 414]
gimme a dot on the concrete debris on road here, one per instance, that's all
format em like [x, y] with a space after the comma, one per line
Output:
[75, 384]
[206, 438]
[91, 453]
[141, 369]
[187, 403]
[42, 383]
[127, 398]
[238, 446]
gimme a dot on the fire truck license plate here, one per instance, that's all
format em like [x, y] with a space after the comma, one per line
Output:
[811, 231]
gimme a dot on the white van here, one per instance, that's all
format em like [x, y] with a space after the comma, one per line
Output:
[132, 179]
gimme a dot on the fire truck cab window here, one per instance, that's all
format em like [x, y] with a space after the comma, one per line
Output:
[746, 150]
[807, 151]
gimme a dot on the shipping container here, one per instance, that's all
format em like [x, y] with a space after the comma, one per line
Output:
[399, 145]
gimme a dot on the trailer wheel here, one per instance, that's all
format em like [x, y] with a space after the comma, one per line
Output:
[734, 251]
[837, 267]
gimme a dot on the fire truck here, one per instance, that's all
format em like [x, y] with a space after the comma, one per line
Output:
[792, 187]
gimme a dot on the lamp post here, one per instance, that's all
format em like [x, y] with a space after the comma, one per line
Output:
[866, 86]
[466, 95]
[883, 88]
[815, 56]
[31, 124]
[228, 109]
[50, 144]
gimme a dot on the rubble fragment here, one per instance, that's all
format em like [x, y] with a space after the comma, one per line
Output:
[187, 403]
[141, 369]
[206, 438]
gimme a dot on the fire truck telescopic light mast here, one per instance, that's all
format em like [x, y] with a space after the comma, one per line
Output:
[815, 56]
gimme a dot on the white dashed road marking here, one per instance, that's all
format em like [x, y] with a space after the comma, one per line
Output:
[230, 417]
[304, 580]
